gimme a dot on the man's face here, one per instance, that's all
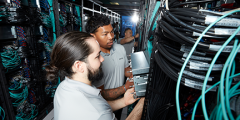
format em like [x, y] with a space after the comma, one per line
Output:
[94, 61]
[128, 33]
[94, 75]
[105, 36]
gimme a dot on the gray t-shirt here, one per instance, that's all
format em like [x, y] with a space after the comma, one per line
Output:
[129, 47]
[113, 67]
[75, 100]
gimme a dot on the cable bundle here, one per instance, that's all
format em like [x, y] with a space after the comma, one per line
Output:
[10, 58]
[160, 96]
[19, 97]
[228, 79]
[16, 3]
[67, 8]
[50, 88]
[62, 8]
[46, 20]
[77, 20]
[3, 12]
[188, 52]
[26, 68]
[45, 41]
[63, 17]
[186, 31]
[45, 6]
[30, 113]
[21, 36]
[32, 97]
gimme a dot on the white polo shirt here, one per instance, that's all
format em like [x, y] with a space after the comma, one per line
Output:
[113, 67]
[75, 100]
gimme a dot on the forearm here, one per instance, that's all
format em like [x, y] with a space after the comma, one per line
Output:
[112, 94]
[136, 113]
[126, 40]
[117, 104]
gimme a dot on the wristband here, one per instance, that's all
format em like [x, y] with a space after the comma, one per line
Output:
[124, 88]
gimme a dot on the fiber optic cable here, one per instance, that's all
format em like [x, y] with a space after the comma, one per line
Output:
[187, 59]
[53, 20]
[227, 79]
[2, 111]
[213, 62]
[10, 58]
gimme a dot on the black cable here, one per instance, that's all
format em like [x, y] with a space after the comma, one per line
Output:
[186, 25]
[170, 57]
[189, 19]
[168, 19]
[187, 39]
[171, 35]
[191, 2]
[173, 51]
[184, 9]
[189, 14]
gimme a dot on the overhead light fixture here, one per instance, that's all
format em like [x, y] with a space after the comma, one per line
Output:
[134, 2]
[114, 3]
[135, 18]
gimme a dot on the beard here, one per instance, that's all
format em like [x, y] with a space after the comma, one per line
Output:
[96, 75]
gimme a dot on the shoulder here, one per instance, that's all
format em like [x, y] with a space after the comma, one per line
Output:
[119, 40]
[118, 47]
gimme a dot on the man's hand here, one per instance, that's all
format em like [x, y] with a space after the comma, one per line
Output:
[128, 97]
[137, 35]
[128, 72]
[129, 84]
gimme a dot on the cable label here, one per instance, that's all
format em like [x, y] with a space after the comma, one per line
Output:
[214, 12]
[231, 22]
[217, 47]
[203, 64]
[205, 68]
[198, 34]
[188, 49]
[14, 31]
[198, 85]
[225, 31]
[197, 57]
[201, 77]
[195, 63]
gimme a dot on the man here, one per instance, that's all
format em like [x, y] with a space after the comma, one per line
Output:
[128, 41]
[76, 55]
[115, 65]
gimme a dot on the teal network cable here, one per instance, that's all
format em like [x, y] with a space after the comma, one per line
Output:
[47, 21]
[229, 65]
[20, 97]
[16, 85]
[62, 21]
[53, 20]
[213, 62]
[10, 58]
[232, 56]
[206, 78]
[2, 111]
[31, 116]
[78, 12]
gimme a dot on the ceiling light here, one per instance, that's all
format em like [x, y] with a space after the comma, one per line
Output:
[114, 3]
[135, 18]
